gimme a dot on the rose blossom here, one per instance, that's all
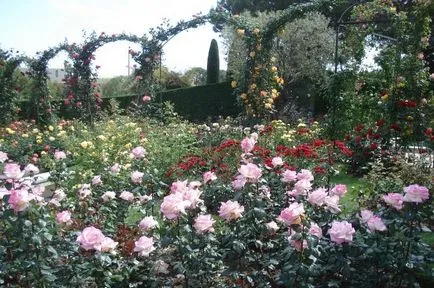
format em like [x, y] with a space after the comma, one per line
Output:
[108, 245]
[301, 187]
[209, 176]
[144, 246]
[247, 144]
[58, 196]
[230, 210]
[12, 171]
[332, 204]
[315, 230]
[91, 238]
[239, 182]
[305, 174]
[108, 195]
[277, 161]
[84, 191]
[194, 185]
[63, 217]
[289, 176]
[173, 205]
[192, 196]
[204, 223]
[395, 200]
[146, 98]
[366, 215]
[376, 224]
[96, 180]
[19, 200]
[137, 177]
[3, 157]
[148, 223]
[251, 172]
[179, 186]
[291, 215]
[272, 226]
[127, 196]
[59, 155]
[317, 196]
[161, 267]
[415, 193]
[115, 169]
[339, 189]
[31, 169]
[341, 232]
[138, 152]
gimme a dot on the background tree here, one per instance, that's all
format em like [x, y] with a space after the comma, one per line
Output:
[213, 64]
[195, 76]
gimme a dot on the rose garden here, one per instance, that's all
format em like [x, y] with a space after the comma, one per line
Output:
[94, 193]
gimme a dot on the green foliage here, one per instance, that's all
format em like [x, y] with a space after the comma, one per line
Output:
[213, 64]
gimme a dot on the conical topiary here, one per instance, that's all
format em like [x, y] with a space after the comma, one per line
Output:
[213, 66]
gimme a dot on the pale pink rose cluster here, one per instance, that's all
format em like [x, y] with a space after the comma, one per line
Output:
[250, 172]
[58, 196]
[96, 180]
[298, 245]
[31, 169]
[277, 161]
[230, 210]
[84, 191]
[373, 222]
[3, 157]
[321, 196]
[63, 218]
[138, 152]
[148, 223]
[304, 180]
[19, 199]
[341, 232]
[413, 194]
[183, 196]
[127, 196]
[137, 177]
[92, 238]
[59, 155]
[13, 171]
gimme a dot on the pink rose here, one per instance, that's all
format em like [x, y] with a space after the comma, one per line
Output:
[63, 217]
[239, 182]
[173, 205]
[415, 193]
[91, 238]
[31, 169]
[376, 224]
[305, 174]
[107, 245]
[339, 189]
[247, 144]
[291, 215]
[366, 215]
[179, 186]
[277, 161]
[230, 210]
[251, 172]
[395, 200]
[209, 176]
[59, 155]
[148, 223]
[317, 197]
[302, 186]
[315, 230]
[332, 204]
[298, 244]
[115, 169]
[96, 180]
[12, 171]
[193, 197]
[138, 152]
[127, 196]
[272, 227]
[84, 191]
[204, 223]
[19, 200]
[144, 246]
[3, 157]
[341, 232]
[289, 176]
[146, 98]
[137, 177]
[108, 195]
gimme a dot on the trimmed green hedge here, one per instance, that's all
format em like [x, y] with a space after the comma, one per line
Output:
[196, 104]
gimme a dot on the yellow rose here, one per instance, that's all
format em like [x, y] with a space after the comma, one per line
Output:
[268, 106]
[240, 32]
[51, 138]
[243, 96]
[128, 145]
[256, 31]
[274, 69]
[35, 131]
[234, 84]
[393, 9]
[50, 128]
[252, 54]
[39, 141]
[25, 135]
[10, 131]
[43, 153]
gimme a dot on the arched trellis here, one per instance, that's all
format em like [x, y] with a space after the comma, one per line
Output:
[262, 82]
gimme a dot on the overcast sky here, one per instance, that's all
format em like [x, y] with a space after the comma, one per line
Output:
[35, 25]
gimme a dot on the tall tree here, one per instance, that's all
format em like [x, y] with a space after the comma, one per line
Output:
[213, 66]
